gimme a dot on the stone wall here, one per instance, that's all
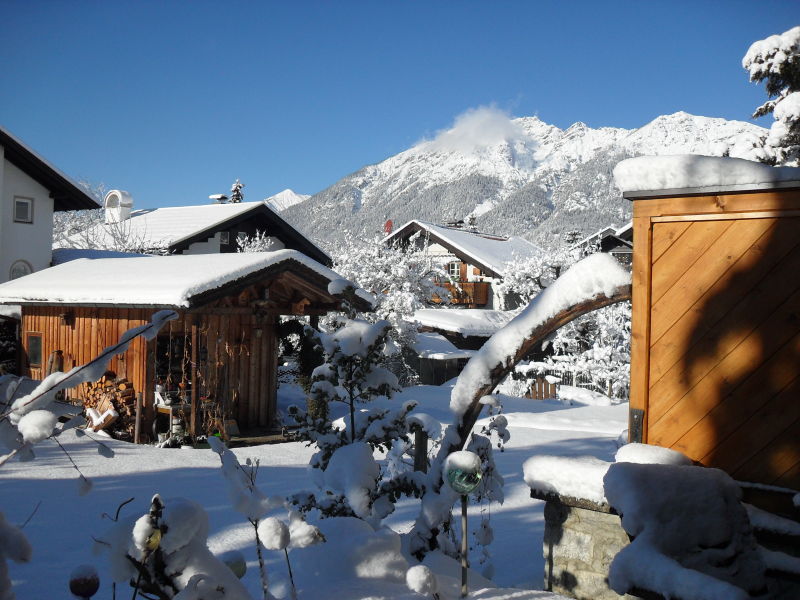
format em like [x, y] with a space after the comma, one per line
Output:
[579, 544]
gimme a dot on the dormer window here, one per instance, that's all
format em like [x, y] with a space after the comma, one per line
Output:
[23, 210]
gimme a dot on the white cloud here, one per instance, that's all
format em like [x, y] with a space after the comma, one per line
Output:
[478, 128]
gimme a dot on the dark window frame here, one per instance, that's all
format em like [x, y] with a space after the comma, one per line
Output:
[29, 202]
[34, 335]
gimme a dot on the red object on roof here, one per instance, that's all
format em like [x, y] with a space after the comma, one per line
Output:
[387, 227]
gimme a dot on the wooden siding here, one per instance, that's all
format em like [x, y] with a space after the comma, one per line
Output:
[238, 351]
[716, 330]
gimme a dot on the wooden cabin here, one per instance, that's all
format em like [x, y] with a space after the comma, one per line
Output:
[715, 364]
[218, 360]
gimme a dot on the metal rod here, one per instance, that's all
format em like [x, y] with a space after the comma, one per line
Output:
[464, 546]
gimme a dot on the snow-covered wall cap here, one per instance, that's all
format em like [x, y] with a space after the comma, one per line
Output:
[649, 176]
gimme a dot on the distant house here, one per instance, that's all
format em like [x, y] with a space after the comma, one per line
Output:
[202, 229]
[475, 260]
[219, 359]
[30, 191]
[613, 240]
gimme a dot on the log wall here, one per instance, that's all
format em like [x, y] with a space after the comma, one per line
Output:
[715, 359]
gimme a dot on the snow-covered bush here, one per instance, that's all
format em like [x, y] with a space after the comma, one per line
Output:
[260, 241]
[165, 554]
[402, 280]
[528, 276]
[776, 62]
[596, 347]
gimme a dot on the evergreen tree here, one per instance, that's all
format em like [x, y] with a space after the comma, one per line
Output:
[776, 62]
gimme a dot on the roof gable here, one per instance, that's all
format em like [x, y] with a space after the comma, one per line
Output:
[66, 194]
[491, 253]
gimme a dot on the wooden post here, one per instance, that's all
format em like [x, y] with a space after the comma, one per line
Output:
[138, 425]
[194, 426]
[420, 449]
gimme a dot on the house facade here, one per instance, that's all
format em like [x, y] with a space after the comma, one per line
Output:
[475, 261]
[200, 229]
[30, 191]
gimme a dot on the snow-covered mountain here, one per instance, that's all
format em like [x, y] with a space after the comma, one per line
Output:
[285, 199]
[517, 176]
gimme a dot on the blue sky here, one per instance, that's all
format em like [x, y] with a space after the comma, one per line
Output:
[172, 101]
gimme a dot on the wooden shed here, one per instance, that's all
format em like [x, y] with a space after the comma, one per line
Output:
[218, 359]
[715, 365]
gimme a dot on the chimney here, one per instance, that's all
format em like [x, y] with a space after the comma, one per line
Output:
[118, 205]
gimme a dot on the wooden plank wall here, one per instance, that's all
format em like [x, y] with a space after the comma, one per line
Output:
[240, 349]
[716, 332]
[83, 335]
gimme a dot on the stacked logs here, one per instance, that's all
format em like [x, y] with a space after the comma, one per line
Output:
[114, 401]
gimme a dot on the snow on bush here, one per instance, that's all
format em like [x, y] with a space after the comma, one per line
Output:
[421, 579]
[691, 535]
[776, 61]
[352, 471]
[13, 546]
[595, 275]
[274, 533]
[166, 550]
[36, 426]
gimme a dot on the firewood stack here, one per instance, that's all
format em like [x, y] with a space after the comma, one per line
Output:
[108, 396]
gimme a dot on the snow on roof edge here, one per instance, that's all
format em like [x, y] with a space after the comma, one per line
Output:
[671, 175]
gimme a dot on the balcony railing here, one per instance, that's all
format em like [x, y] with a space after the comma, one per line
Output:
[471, 293]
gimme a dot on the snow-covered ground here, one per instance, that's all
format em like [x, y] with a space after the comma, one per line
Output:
[62, 528]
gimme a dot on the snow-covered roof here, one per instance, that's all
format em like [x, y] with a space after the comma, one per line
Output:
[172, 226]
[691, 173]
[622, 233]
[490, 252]
[465, 321]
[168, 281]
[66, 194]
[438, 347]
[164, 227]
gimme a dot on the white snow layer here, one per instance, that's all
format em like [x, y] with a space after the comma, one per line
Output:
[594, 275]
[464, 321]
[274, 533]
[684, 171]
[352, 471]
[778, 48]
[692, 539]
[580, 477]
[420, 579]
[37, 425]
[150, 281]
[647, 454]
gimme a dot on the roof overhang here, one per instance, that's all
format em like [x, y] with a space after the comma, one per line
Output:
[66, 194]
[712, 190]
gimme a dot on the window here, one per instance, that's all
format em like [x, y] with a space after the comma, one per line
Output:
[20, 268]
[454, 269]
[23, 210]
[34, 346]
[224, 237]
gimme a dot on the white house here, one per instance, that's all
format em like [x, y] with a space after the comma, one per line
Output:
[30, 191]
[474, 259]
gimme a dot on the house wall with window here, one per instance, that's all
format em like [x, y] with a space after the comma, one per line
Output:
[26, 223]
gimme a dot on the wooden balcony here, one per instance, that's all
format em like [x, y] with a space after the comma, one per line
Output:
[472, 294]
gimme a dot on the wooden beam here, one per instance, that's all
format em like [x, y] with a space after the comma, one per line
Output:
[194, 426]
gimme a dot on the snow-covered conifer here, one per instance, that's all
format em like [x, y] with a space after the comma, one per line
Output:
[776, 62]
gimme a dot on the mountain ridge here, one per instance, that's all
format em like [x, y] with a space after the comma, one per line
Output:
[517, 176]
